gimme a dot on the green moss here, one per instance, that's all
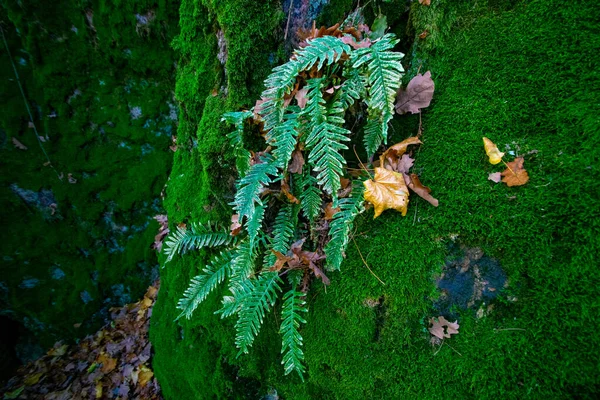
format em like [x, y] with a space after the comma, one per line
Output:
[82, 82]
[523, 75]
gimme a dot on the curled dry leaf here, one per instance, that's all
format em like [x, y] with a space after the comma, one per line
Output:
[442, 328]
[236, 227]
[18, 144]
[423, 34]
[393, 154]
[515, 174]
[422, 190]
[417, 95]
[388, 190]
[492, 151]
[495, 177]
[297, 162]
[285, 189]
[350, 40]
[301, 97]
[425, 2]
[330, 211]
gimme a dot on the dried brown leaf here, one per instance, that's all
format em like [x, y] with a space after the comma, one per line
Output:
[442, 328]
[417, 95]
[392, 155]
[515, 174]
[236, 227]
[351, 40]
[330, 211]
[422, 190]
[297, 162]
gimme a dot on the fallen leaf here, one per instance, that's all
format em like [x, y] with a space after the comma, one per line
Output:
[330, 211]
[350, 40]
[280, 262]
[285, 189]
[99, 390]
[423, 34]
[515, 174]
[495, 177]
[442, 328]
[422, 190]
[417, 95]
[18, 144]
[301, 97]
[332, 89]
[145, 375]
[108, 363]
[236, 227]
[393, 154]
[297, 162]
[404, 164]
[492, 151]
[58, 350]
[425, 2]
[33, 379]
[387, 191]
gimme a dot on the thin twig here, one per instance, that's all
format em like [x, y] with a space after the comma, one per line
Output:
[509, 329]
[37, 135]
[415, 218]
[287, 25]
[365, 262]
[452, 348]
[361, 163]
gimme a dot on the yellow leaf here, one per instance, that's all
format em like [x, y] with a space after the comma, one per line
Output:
[98, 390]
[33, 379]
[492, 151]
[145, 375]
[388, 190]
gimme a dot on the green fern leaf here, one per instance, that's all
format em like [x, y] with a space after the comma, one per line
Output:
[352, 89]
[236, 139]
[253, 308]
[325, 138]
[294, 303]
[310, 197]
[201, 286]
[196, 237]
[255, 223]
[384, 73]
[283, 138]
[250, 186]
[283, 232]
[341, 225]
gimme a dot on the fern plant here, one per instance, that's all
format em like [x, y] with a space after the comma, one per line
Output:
[285, 195]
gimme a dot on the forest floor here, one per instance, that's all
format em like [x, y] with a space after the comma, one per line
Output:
[114, 363]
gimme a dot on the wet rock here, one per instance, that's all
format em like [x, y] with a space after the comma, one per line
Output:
[469, 279]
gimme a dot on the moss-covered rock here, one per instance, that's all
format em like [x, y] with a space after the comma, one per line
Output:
[521, 73]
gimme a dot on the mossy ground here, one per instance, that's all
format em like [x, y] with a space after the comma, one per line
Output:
[521, 73]
[86, 67]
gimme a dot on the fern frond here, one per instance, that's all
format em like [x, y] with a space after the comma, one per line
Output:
[243, 263]
[384, 72]
[236, 139]
[294, 303]
[375, 131]
[255, 223]
[283, 137]
[249, 187]
[352, 89]
[341, 225]
[253, 308]
[310, 197]
[321, 51]
[201, 286]
[283, 232]
[324, 50]
[195, 237]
